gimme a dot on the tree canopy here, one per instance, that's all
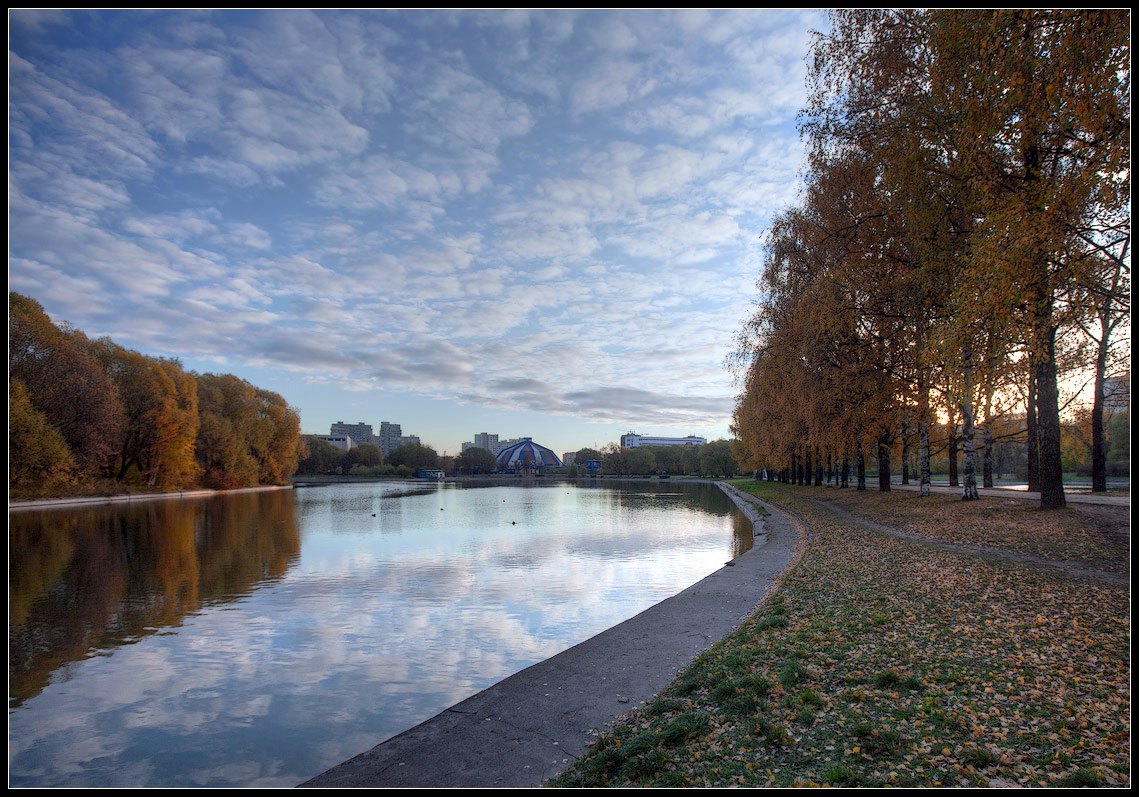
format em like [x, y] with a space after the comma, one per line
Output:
[92, 415]
[476, 460]
[966, 198]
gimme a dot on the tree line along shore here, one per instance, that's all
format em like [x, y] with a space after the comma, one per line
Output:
[960, 253]
[90, 417]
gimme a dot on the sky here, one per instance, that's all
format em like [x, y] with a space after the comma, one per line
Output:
[531, 223]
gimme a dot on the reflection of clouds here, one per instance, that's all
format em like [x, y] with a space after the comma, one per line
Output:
[368, 634]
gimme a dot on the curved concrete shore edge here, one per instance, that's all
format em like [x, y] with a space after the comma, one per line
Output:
[94, 500]
[532, 725]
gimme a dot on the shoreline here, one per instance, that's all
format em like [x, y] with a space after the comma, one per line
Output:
[84, 500]
[530, 726]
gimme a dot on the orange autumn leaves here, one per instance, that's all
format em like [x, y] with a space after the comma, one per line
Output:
[91, 416]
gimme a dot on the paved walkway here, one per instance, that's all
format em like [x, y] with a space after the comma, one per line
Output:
[1000, 492]
[529, 727]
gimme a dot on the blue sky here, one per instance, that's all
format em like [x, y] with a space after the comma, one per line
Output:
[531, 223]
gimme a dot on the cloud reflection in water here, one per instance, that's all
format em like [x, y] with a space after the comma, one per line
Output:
[376, 624]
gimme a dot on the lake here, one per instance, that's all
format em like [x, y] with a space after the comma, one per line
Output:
[258, 639]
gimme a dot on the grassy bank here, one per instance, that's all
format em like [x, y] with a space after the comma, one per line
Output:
[903, 660]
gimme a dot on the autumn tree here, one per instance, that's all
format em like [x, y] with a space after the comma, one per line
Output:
[160, 408]
[965, 172]
[66, 385]
[247, 436]
[1106, 297]
[39, 462]
[319, 457]
[1042, 102]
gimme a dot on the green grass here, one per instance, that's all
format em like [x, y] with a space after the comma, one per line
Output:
[881, 661]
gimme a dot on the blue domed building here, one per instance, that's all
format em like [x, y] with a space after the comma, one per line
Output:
[527, 456]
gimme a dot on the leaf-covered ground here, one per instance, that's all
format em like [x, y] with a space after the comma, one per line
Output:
[883, 661]
[1084, 533]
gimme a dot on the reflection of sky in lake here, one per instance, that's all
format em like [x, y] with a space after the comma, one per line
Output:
[380, 623]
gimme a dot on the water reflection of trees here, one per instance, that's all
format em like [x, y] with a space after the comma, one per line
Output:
[707, 498]
[743, 534]
[96, 578]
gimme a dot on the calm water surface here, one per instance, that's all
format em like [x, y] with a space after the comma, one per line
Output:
[258, 639]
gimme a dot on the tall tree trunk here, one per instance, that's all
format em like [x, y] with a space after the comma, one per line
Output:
[860, 462]
[969, 490]
[987, 437]
[952, 449]
[1031, 446]
[923, 437]
[830, 465]
[905, 451]
[818, 468]
[987, 462]
[1048, 428]
[845, 471]
[1099, 443]
[884, 445]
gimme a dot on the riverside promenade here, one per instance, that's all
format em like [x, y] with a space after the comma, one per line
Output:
[1024, 495]
[530, 726]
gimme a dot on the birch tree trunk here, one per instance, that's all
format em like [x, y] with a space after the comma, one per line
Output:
[1099, 443]
[884, 461]
[1031, 445]
[1048, 428]
[954, 481]
[923, 437]
[987, 434]
[905, 452]
[987, 462]
[969, 489]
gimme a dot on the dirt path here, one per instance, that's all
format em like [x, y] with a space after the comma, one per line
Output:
[1067, 568]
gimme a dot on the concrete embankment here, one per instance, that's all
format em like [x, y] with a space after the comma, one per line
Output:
[530, 726]
[95, 500]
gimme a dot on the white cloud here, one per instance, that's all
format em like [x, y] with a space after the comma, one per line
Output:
[421, 202]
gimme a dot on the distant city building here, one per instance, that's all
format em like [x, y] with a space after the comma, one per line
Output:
[496, 448]
[484, 440]
[568, 458]
[406, 440]
[1117, 394]
[526, 455]
[359, 432]
[341, 441]
[389, 437]
[634, 440]
[493, 444]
